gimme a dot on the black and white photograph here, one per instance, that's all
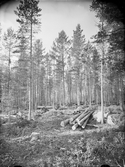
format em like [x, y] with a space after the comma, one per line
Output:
[62, 83]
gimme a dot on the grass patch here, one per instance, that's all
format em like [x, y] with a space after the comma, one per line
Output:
[19, 128]
[92, 150]
[91, 147]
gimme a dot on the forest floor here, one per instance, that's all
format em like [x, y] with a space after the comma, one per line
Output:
[61, 147]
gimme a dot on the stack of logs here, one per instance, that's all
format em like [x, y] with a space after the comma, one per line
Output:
[81, 119]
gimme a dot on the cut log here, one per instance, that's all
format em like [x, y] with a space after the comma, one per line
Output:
[63, 108]
[82, 115]
[80, 119]
[85, 123]
[65, 122]
[44, 107]
[40, 107]
[80, 109]
[72, 119]
[75, 126]
[96, 126]
[87, 111]
[80, 122]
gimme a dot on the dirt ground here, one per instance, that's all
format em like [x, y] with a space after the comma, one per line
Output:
[56, 146]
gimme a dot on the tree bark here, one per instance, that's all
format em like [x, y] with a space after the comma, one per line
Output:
[121, 94]
[102, 62]
[80, 122]
[90, 88]
[82, 115]
[31, 74]
[64, 123]
[74, 127]
[71, 121]
[102, 91]
[78, 91]
[9, 61]
[85, 123]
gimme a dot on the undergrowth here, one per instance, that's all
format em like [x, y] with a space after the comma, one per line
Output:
[107, 148]
[20, 128]
[90, 149]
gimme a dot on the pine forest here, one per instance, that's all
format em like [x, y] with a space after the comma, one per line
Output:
[77, 85]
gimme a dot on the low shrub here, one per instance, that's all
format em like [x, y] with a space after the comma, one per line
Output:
[6, 157]
[108, 148]
[12, 131]
[21, 122]
[19, 128]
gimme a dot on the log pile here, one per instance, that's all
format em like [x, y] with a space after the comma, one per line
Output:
[44, 108]
[80, 119]
[41, 110]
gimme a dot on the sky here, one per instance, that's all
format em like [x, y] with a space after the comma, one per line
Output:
[56, 16]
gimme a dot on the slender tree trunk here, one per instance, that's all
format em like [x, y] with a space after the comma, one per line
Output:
[97, 96]
[31, 75]
[53, 99]
[85, 95]
[38, 85]
[95, 100]
[95, 87]
[63, 80]
[70, 93]
[33, 90]
[54, 85]
[102, 121]
[102, 62]
[1, 86]
[63, 91]
[36, 94]
[78, 91]
[89, 88]
[121, 93]
[9, 61]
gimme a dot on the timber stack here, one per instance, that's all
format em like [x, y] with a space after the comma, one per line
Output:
[80, 119]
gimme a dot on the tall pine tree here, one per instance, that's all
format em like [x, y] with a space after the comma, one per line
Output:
[59, 53]
[77, 50]
[28, 14]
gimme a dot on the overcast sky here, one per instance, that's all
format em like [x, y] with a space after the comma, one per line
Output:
[56, 16]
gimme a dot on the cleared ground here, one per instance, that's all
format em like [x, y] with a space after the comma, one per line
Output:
[57, 146]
